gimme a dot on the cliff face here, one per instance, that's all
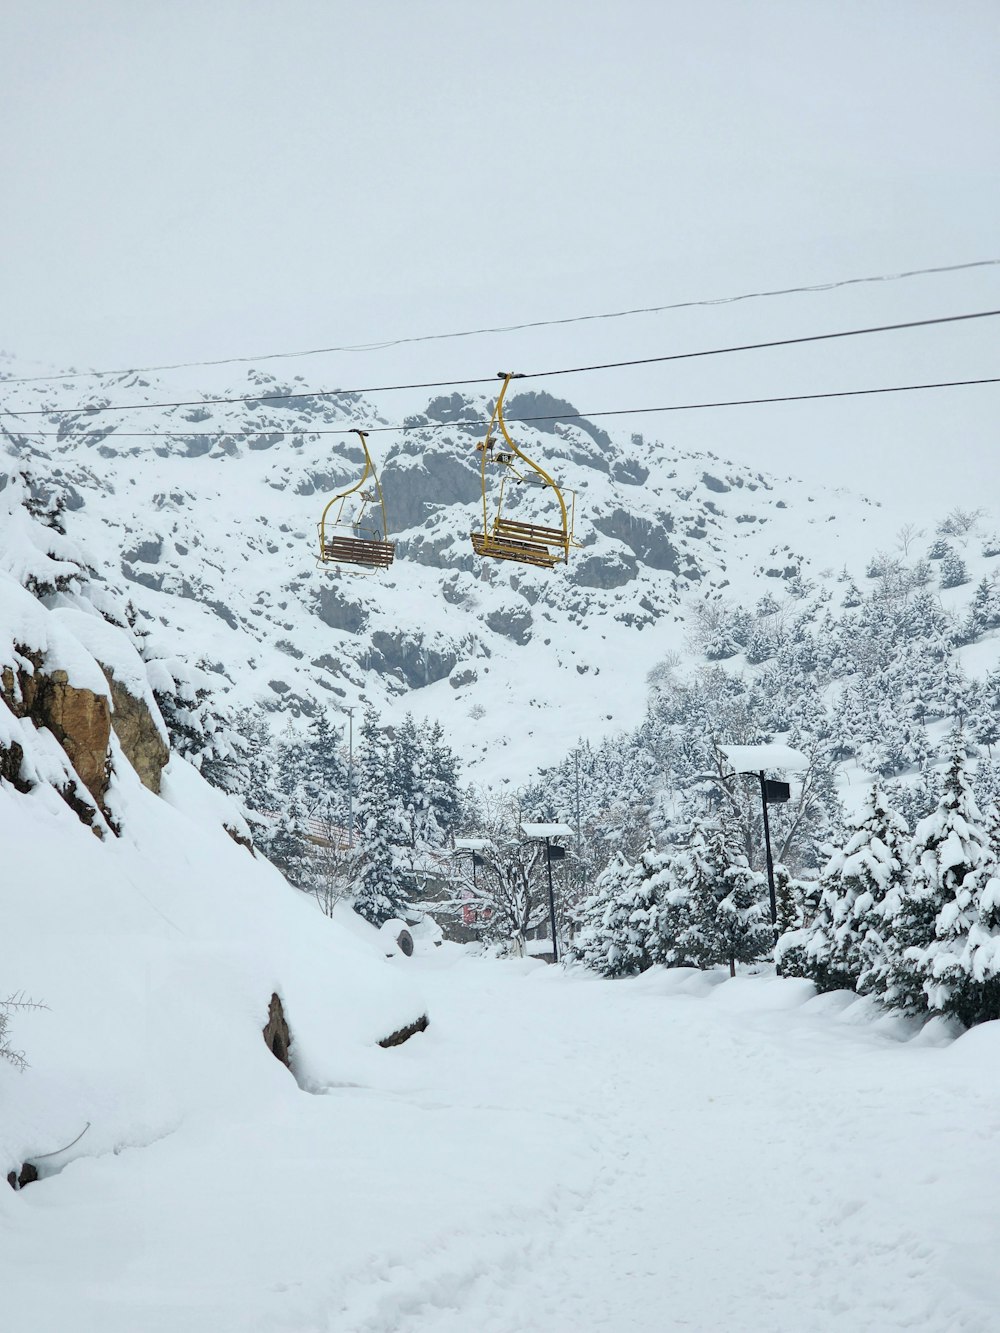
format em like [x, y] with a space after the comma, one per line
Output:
[138, 734]
[74, 694]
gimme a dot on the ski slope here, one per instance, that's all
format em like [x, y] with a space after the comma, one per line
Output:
[675, 1152]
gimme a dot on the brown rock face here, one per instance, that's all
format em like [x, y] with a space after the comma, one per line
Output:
[276, 1035]
[81, 722]
[79, 719]
[144, 747]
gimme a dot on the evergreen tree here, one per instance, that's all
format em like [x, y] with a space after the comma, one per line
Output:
[953, 570]
[620, 917]
[701, 934]
[987, 792]
[289, 845]
[324, 777]
[948, 926]
[378, 894]
[441, 773]
[983, 613]
[743, 920]
[870, 872]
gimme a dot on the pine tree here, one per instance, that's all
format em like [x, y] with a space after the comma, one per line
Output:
[698, 887]
[289, 846]
[953, 570]
[620, 918]
[378, 894]
[870, 871]
[324, 777]
[987, 792]
[983, 614]
[949, 924]
[743, 920]
[441, 778]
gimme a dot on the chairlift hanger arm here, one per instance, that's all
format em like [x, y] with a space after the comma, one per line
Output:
[507, 376]
[363, 437]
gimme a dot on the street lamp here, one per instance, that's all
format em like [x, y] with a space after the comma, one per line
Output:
[545, 833]
[751, 761]
[473, 846]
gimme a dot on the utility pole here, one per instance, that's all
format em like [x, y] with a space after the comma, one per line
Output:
[581, 872]
[350, 772]
[552, 901]
[764, 794]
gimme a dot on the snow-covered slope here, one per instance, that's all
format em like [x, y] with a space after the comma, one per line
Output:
[212, 534]
[134, 909]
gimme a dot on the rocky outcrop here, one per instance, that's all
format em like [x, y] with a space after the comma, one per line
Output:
[79, 719]
[647, 540]
[81, 722]
[138, 734]
[411, 657]
[277, 1037]
[611, 570]
[338, 611]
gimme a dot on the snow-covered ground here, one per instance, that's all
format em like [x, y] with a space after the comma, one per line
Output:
[559, 1153]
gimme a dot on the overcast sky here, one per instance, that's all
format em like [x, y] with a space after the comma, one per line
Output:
[205, 178]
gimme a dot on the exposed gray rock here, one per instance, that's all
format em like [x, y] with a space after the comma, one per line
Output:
[147, 552]
[648, 541]
[408, 655]
[513, 622]
[337, 611]
[411, 486]
[610, 570]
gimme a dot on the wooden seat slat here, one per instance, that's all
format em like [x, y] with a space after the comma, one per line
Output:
[528, 553]
[358, 551]
[509, 527]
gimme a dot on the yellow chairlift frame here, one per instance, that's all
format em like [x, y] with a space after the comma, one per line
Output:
[509, 539]
[361, 545]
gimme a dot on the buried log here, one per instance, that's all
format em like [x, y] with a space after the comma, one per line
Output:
[276, 1035]
[404, 1034]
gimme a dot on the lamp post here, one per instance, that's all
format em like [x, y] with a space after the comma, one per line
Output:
[472, 847]
[545, 833]
[751, 761]
[350, 770]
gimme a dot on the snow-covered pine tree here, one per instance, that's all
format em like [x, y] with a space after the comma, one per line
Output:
[789, 896]
[869, 873]
[441, 774]
[987, 792]
[620, 919]
[949, 924]
[697, 887]
[324, 777]
[984, 718]
[289, 846]
[983, 613]
[743, 918]
[378, 894]
[819, 950]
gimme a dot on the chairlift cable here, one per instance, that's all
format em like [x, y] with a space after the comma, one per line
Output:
[557, 416]
[516, 328]
[89, 410]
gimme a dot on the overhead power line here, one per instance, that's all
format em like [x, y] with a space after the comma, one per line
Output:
[556, 416]
[515, 328]
[93, 410]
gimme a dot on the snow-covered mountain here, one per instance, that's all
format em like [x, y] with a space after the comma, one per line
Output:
[210, 531]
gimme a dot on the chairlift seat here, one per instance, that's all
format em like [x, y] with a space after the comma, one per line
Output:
[533, 532]
[343, 550]
[506, 548]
